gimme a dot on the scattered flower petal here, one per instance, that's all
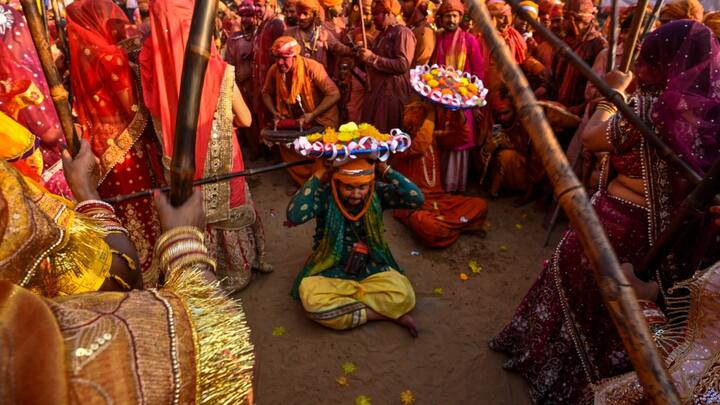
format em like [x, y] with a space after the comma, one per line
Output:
[349, 367]
[463, 277]
[503, 248]
[363, 400]
[435, 205]
[342, 381]
[474, 267]
[279, 331]
[519, 227]
[463, 220]
[438, 291]
[272, 213]
[407, 397]
[414, 253]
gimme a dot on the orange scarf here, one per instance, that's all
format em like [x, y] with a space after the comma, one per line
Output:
[300, 86]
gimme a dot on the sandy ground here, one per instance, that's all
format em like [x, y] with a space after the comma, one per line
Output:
[449, 363]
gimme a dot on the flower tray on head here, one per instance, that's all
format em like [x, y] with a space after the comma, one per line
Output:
[351, 141]
[450, 88]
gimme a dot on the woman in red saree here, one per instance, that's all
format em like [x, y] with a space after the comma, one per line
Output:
[561, 338]
[110, 110]
[25, 96]
[234, 231]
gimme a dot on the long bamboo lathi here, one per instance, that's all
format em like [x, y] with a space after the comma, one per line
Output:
[616, 291]
[633, 36]
[60, 30]
[612, 41]
[195, 61]
[57, 92]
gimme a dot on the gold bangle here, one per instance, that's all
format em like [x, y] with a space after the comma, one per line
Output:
[189, 261]
[180, 249]
[179, 232]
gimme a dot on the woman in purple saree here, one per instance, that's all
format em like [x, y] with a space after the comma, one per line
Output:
[561, 338]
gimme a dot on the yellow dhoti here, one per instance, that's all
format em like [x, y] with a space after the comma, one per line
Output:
[343, 304]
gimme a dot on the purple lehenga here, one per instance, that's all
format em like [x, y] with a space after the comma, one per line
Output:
[561, 338]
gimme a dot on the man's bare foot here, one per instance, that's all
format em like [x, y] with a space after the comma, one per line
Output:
[408, 322]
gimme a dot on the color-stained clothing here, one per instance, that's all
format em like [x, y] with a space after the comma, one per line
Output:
[328, 292]
[314, 200]
[441, 219]
[425, 43]
[569, 81]
[322, 86]
[389, 78]
[267, 33]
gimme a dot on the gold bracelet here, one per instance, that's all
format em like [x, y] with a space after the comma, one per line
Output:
[179, 232]
[189, 261]
[179, 249]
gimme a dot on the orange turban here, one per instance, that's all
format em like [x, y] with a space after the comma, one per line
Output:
[682, 10]
[355, 172]
[580, 7]
[448, 6]
[712, 20]
[332, 3]
[387, 6]
[285, 47]
[312, 5]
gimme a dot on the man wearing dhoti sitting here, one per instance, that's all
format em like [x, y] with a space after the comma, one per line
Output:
[351, 276]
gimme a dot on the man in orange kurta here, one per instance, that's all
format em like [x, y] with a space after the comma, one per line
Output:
[299, 88]
[443, 216]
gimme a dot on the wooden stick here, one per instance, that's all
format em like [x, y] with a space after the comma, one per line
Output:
[631, 39]
[613, 96]
[692, 208]
[61, 32]
[612, 50]
[197, 54]
[617, 293]
[362, 23]
[57, 92]
[212, 179]
[653, 17]
[365, 43]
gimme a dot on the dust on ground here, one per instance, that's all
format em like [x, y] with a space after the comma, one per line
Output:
[448, 364]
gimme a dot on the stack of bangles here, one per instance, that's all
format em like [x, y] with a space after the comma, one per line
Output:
[103, 213]
[608, 106]
[182, 247]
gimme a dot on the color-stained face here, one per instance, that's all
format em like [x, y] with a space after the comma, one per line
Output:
[408, 6]
[556, 25]
[306, 18]
[575, 25]
[291, 17]
[505, 115]
[380, 19]
[451, 21]
[285, 63]
[502, 22]
[261, 7]
[353, 196]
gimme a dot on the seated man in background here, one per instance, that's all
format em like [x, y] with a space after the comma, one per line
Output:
[439, 222]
